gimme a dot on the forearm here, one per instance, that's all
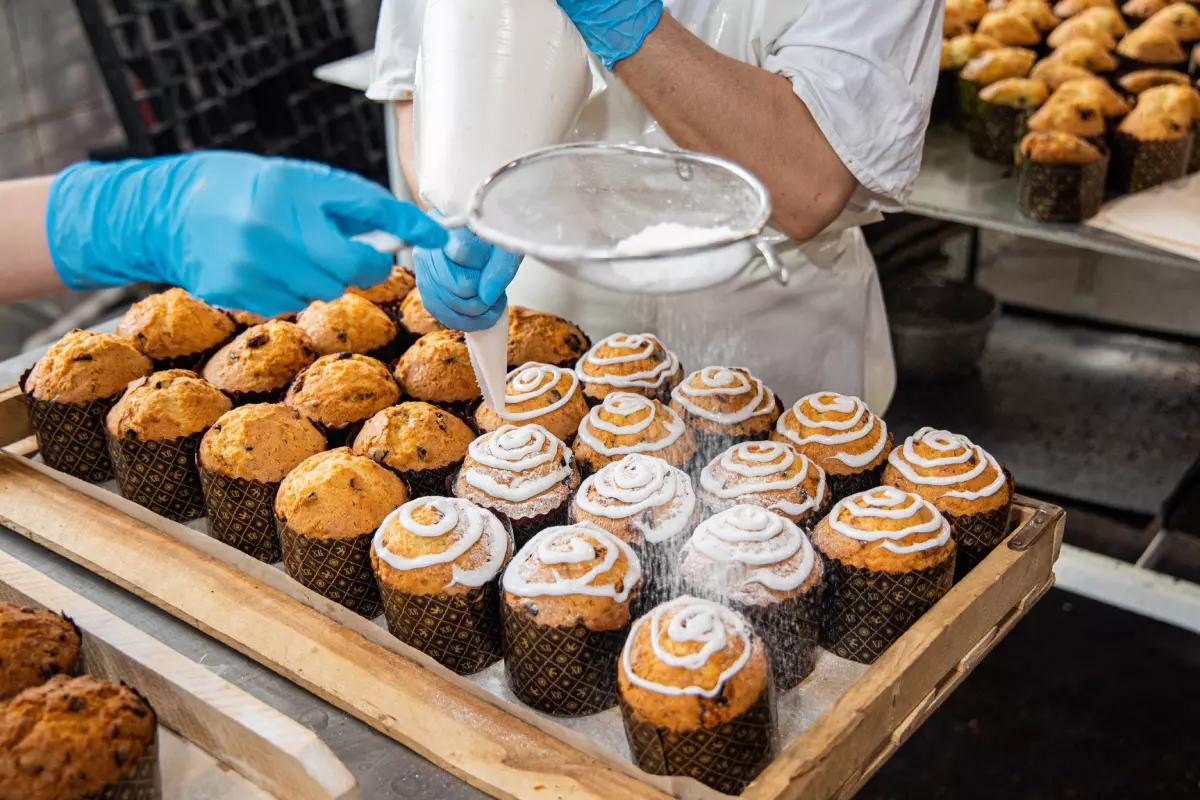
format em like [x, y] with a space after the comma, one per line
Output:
[27, 270]
[714, 104]
[406, 144]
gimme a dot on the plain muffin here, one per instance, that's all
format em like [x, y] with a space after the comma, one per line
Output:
[338, 495]
[417, 441]
[393, 290]
[84, 366]
[340, 390]
[35, 645]
[350, 323]
[543, 338]
[166, 405]
[174, 325]
[416, 318]
[437, 369]
[259, 442]
[263, 359]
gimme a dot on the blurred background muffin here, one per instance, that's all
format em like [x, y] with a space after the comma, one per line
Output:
[176, 330]
[770, 475]
[543, 338]
[630, 423]
[423, 444]
[437, 369]
[258, 365]
[350, 324]
[35, 645]
[634, 363]
[339, 392]
[539, 394]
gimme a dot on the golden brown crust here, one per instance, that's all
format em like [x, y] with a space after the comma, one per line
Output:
[1181, 20]
[392, 290]
[349, 324]
[1109, 18]
[338, 495]
[994, 65]
[826, 455]
[259, 442]
[35, 645]
[562, 421]
[662, 434]
[1010, 28]
[1036, 11]
[1058, 148]
[1152, 46]
[688, 712]
[264, 358]
[1082, 117]
[1056, 73]
[1137, 82]
[416, 318]
[1095, 91]
[71, 737]
[954, 24]
[437, 369]
[970, 10]
[958, 51]
[1178, 102]
[1143, 9]
[414, 436]
[1069, 8]
[1154, 125]
[872, 555]
[84, 366]
[173, 324]
[340, 390]
[1022, 93]
[958, 506]
[543, 338]
[1083, 27]
[166, 405]
[1086, 53]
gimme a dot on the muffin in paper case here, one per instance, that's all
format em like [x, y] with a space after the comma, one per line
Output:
[160, 475]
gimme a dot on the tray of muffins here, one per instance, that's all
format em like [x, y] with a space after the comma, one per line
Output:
[637, 578]
[1085, 100]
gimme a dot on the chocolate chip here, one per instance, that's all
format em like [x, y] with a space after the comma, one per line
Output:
[421, 453]
[364, 396]
[574, 343]
[1086, 113]
[555, 395]
[48, 671]
[258, 340]
[533, 611]
[344, 356]
[311, 497]
[83, 357]
[354, 484]
[33, 768]
[249, 448]
[75, 704]
[341, 335]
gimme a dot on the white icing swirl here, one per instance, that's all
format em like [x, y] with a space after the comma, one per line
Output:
[471, 524]
[624, 404]
[531, 381]
[515, 452]
[751, 545]
[766, 465]
[712, 626]
[636, 484]
[727, 382]
[888, 502]
[840, 432]
[631, 347]
[958, 450]
[568, 544]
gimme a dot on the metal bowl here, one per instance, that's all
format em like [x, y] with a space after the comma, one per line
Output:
[939, 329]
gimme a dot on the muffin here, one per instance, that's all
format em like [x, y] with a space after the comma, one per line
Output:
[956, 52]
[1135, 83]
[841, 436]
[725, 406]
[390, 294]
[1083, 27]
[1152, 145]
[543, 339]
[79, 738]
[1151, 48]
[538, 394]
[762, 566]
[1086, 53]
[888, 557]
[35, 645]
[1136, 12]
[1079, 116]
[630, 423]
[1061, 177]
[1094, 91]
[1056, 73]
[70, 390]
[437, 369]
[696, 695]
[154, 432]
[963, 481]
[1065, 9]
[1005, 108]
[566, 612]
[327, 511]
[342, 391]
[632, 363]
[1108, 17]
[438, 561]
[351, 324]
[415, 318]
[954, 24]
[970, 10]
[243, 458]
[258, 365]
[649, 505]
[525, 475]
[175, 330]
[423, 444]
[770, 475]
[1010, 28]
[983, 70]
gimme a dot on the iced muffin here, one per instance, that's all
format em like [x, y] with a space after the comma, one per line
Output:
[543, 338]
[35, 645]
[770, 475]
[351, 324]
[724, 406]
[341, 391]
[176, 330]
[629, 423]
[257, 366]
[437, 369]
[634, 363]
[421, 443]
[538, 394]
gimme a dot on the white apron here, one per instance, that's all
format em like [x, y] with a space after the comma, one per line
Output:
[826, 330]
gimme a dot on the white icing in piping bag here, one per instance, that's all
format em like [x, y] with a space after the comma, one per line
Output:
[489, 358]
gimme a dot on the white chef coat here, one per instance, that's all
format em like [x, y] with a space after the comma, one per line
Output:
[866, 71]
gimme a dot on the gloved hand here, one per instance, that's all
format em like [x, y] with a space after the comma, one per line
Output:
[613, 29]
[267, 235]
[463, 284]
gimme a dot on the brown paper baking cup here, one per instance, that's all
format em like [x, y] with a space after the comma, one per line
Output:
[979, 534]
[1137, 166]
[247, 398]
[160, 475]
[558, 670]
[660, 573]
[141, 781]
[865, 612]
[460, 631]
[192, 361]
[842, 486]
[70, 436]
[726, 758]
[428, 482]
[1061, 192]
[525, 528]
[395, 348]
[339, 569]
[241, 513]
[994, 136]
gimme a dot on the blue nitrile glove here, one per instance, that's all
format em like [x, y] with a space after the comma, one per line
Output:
[463, 284]
[613, 29]
[267, 235]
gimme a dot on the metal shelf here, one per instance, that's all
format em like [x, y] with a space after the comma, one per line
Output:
[957, 186]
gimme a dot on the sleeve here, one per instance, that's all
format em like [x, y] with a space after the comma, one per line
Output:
[866, 70]
[397, 39]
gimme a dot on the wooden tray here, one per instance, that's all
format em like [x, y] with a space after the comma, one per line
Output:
[211, 725]
[481, 743]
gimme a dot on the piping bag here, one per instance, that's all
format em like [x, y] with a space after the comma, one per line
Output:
[488, 349]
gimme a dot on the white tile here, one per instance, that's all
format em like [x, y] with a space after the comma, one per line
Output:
[59, 66]
[67, 139]
[18, 154]
[13, 106]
